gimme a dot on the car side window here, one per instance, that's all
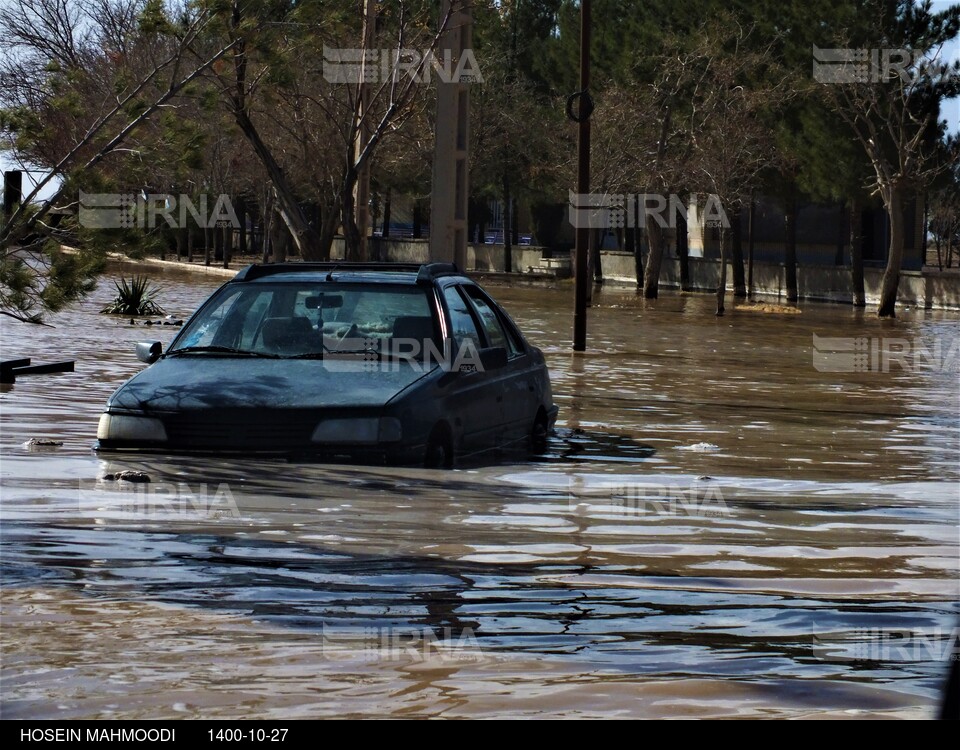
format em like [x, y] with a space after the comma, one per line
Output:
[497, 333]
[254, 318]
[461, 321]
[207, 329]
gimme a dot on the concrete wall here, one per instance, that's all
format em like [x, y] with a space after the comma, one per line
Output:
[479, 257]
[830, 283]
[491, 257]
[817, 282]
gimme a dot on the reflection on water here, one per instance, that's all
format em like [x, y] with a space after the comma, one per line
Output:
[716, 529]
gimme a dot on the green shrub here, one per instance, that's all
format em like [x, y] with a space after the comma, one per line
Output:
[135, 297]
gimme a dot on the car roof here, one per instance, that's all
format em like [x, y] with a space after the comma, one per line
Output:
[383, 273]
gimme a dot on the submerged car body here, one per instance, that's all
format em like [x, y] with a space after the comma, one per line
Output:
[379, 362]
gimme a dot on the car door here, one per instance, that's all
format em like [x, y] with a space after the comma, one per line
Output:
[517, 383]
[474, 401]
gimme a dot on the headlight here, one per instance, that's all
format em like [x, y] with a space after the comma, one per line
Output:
[369, 430]
[123, 427]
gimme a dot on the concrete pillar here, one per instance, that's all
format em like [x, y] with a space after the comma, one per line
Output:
[450, 189]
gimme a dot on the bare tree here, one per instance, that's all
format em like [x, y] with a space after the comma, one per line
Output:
[721, 122]
[45, 43]
[894, 114]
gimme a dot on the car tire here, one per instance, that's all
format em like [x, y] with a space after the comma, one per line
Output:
[439, 453]
[538, 434]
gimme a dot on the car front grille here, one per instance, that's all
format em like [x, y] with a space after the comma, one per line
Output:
[243, 429]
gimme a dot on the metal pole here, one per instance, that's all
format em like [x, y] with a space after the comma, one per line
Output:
[750, 226]
[583, 187]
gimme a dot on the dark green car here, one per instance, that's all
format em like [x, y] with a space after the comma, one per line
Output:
[389, 363]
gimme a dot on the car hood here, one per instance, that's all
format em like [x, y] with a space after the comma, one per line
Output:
[208, 382]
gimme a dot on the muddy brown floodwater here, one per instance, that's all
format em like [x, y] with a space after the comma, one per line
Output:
[724, 525]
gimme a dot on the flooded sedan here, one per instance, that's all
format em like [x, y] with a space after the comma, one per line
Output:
[725, 523]
[389, 363]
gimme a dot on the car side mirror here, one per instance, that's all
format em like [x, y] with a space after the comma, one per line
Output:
[149, 351]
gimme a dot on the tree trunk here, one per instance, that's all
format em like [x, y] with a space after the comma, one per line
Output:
[417, 220]
[328, 230]
[722, 285]
[189, 245]
[683, 252]
[227, 245]
[591, 244]
[207, 242]
[856, 255]
[841, 234]
[790, 248]
[891, 275]
[507, 224]
[267, 224]
[736, 255]
[651, 278]
[483, 218]
[751, 227]
[638, 257]
[385, 231]
[304, 236]
[280, 236]
[181, 241]
[596, 246]
[242, 218]
[348, 218]
[217, 233]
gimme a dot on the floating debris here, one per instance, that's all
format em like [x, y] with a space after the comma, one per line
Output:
[42, 443]
[11, 369]
[699, 447]
[169, 322]
[137, 477]
[767, 307]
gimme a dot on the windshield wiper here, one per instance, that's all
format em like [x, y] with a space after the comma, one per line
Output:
[221, 350]
[307, 355]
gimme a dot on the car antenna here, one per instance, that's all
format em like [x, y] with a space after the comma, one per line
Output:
[330, 275]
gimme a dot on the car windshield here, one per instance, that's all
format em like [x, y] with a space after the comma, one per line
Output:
[307, 319]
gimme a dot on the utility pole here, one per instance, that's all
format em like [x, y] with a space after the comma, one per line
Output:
[582, 117]
[450, 189]
[361, 195]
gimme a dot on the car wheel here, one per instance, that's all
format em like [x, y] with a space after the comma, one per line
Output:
[538, 435]
[439, 453]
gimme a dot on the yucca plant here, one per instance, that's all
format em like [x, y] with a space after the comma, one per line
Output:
[135, 297]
